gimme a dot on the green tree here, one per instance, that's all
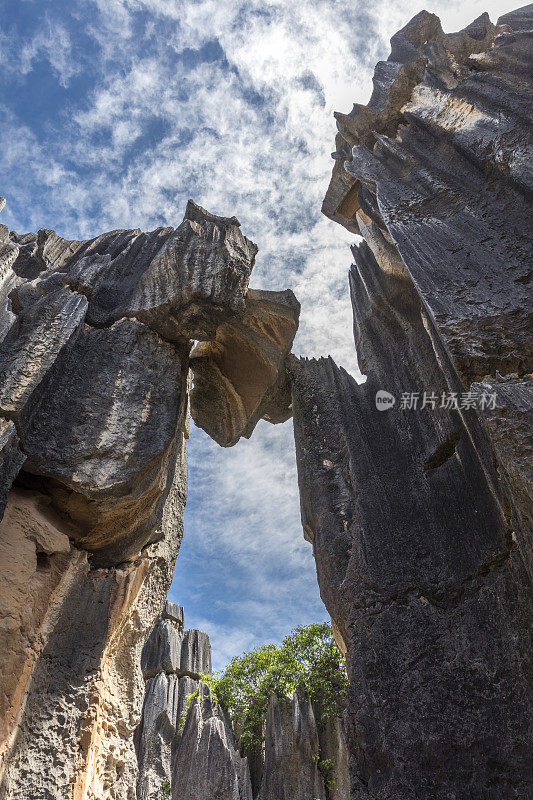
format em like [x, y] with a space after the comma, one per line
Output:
[308, 656]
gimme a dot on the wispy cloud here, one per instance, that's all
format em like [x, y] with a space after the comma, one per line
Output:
[50, 43]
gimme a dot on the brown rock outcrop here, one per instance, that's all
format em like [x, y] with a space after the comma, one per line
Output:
[240, 376]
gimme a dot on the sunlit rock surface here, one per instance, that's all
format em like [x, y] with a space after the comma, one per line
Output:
[95, 339]
[186, 742]
[420, 518]
[208, 764]
[181, 282]
[240, 376]
[440, 159]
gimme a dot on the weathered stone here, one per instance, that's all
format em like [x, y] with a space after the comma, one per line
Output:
[11, 459]
[35, 546]
[26, 265]
[157, 735]
[101, 413]
[240, 376]
[196, 654]
[8, 255]
[174, 612]
[508, 415]
[334, 754]
[79, 687]
[8, 252]
[291, 751]
[181, 282]
[417, 525]
[162, 651]
[470, 103]
[39, 335]
[168, 685]
[104, 435]
[413, 556]
[208, 765]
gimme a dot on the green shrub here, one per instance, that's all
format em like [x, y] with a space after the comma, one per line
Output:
[307, 657]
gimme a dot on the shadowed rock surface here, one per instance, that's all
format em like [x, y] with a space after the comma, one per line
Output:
[208, 764]
[420, 517]
[240, 376]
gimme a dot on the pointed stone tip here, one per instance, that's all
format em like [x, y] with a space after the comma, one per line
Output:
[2, 202]
[196, 212]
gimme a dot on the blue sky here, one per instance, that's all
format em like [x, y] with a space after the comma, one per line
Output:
[112, 114]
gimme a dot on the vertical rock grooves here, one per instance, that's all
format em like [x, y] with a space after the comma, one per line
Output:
[420, 517]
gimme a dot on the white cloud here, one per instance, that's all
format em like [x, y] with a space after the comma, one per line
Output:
[51, 43]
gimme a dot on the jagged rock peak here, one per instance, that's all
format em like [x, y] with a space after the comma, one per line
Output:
[182, 282]
[419, 510]
[184, 738]
[465, 109]
[124, 306]
[174, 612]
[207, 764]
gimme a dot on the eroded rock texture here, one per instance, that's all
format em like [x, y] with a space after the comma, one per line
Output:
[184, 740]
[304, 755]
[95, 339]
[291, 751]
[240, 376]
[419, 518]
[208, 764]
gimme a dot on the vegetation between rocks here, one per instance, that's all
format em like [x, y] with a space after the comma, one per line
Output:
[307, 657]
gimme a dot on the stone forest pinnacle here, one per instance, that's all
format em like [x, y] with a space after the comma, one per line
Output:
[419, 515]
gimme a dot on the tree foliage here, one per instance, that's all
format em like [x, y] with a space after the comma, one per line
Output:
[307, 657]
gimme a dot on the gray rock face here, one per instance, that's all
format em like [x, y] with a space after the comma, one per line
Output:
[334, 754]
[196, 653]
[418, 514]
[94, 363]
[510, 423]
[291, 751]
[181, 282]
[105, 432]
[37, 338]
[11, 459]
[208, 765]
[70, 670]
[470, 103]
[173, 612]
[162, 651]
[196, 755]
